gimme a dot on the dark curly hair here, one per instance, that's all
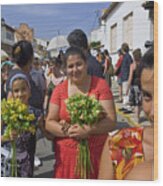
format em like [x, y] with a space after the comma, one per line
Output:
[22, 53]
[75, 51]
[78, 38]
[147, 61]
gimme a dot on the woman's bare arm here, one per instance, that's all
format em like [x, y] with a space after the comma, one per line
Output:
[143, 171]
[107, 123]
[52, 122]
[106, 167]
[130, 77]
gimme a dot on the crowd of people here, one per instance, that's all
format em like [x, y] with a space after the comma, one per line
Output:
[44, 87]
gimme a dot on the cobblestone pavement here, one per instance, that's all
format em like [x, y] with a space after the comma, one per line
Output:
[44, 147]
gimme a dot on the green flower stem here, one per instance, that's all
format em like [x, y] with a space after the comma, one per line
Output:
[81, 159]
[84, 165]
[13, 161]
[85, 161]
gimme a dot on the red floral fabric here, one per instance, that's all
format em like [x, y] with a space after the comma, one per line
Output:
[126, 150]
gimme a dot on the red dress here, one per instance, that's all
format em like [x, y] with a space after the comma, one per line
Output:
[66, 148]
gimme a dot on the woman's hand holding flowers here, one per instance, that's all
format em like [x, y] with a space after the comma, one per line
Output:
[85, 112]
[13, 135]
[79, 132]
[65, 127]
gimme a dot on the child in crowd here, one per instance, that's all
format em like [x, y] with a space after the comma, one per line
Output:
[55, 77]
[5, 68]
[20, 88]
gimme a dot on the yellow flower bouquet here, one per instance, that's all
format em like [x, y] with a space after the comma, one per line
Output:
[16, 117]
[84, 110]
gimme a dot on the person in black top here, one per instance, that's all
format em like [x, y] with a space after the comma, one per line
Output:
[78, 38]
[125, 70]
[38, 77]
[133, 89]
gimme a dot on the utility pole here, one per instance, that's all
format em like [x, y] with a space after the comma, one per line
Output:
[97, 16]
[58, 32]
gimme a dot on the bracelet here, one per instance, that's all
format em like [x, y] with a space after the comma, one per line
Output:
[65, 127]
[102, 115]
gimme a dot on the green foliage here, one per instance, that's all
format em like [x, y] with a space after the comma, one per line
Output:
[83, 109]
[16, 116]
[95, 44]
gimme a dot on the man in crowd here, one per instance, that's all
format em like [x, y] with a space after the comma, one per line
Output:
[125, 70]
[78, 38]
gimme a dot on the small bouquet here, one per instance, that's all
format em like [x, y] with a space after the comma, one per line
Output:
[84, 110]
[16, 117]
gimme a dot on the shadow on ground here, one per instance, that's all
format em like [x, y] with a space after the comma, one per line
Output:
[48, 174]
[121, 125]
[47, 158]
[143, 119]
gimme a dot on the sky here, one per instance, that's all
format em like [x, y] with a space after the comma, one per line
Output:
[50, 20]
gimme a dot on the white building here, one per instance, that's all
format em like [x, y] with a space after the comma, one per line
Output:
[40, 47]
[130, 22]
[97, 35]
[42, 42]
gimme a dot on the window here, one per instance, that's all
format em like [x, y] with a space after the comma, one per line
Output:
[128, 29]
[9, 35]
[113, 38]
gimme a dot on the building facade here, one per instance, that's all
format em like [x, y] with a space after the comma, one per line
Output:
[40, 47]
[7, 37]
[24, 32]
[126, 22]
[10, 35]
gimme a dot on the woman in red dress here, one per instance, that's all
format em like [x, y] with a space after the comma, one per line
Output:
[66, 142]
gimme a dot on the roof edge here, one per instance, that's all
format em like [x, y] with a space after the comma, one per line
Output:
[109, 9]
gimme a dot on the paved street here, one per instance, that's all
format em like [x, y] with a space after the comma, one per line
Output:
[44, 152]
[44, 147]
